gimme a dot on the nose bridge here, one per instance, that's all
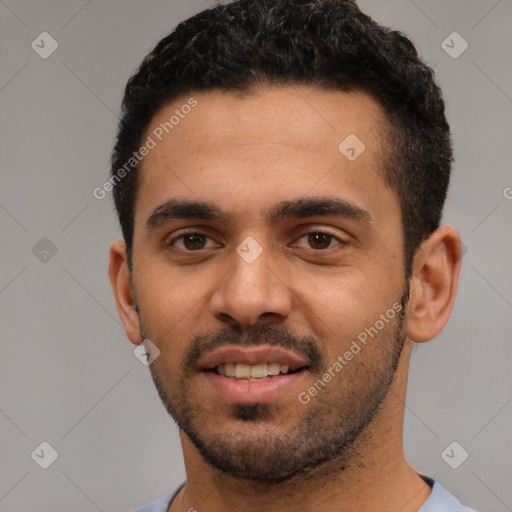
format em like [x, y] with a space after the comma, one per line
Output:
[251, 288]
[253, 276]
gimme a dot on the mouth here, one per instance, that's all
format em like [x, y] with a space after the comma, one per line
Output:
[252, 375]
[257, 372]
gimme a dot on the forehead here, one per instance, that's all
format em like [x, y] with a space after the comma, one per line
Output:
[271, 145]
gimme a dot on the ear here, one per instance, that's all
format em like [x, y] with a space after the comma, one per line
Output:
[433, 285]
[120, 280]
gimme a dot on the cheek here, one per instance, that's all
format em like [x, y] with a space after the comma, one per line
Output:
[172, 303]
[166, 294]
[339, 306]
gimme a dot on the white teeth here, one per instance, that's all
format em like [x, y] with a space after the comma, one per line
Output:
[242, 371]
[258, 371]
[274, 369]
[252, 372]
[230, 370]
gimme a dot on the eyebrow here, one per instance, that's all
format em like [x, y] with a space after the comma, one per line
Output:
[317, 206]
[298, 208]
[183, 209]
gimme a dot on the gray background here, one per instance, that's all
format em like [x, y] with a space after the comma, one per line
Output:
[68, 375]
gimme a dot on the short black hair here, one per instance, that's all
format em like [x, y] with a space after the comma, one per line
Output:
[328, 44]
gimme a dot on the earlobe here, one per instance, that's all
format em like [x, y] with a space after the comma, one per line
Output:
[120, 280]
[433, 285]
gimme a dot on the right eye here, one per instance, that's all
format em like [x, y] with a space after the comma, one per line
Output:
[191, 241]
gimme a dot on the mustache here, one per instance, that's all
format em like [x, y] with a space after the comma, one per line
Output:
[256, 335]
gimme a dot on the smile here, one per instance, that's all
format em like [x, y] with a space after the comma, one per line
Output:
[240, 371]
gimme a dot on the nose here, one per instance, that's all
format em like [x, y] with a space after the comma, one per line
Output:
[251, 291]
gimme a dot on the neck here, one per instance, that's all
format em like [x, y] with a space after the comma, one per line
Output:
[374, 474]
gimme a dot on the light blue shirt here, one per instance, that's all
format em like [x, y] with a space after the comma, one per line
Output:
[440, 500]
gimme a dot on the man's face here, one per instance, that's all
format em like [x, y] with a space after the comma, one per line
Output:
[299, 253]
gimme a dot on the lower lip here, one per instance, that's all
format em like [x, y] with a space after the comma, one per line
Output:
[253, 392]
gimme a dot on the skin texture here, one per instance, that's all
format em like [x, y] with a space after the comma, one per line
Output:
[344, 449]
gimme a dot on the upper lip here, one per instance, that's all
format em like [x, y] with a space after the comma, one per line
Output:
[251, 356]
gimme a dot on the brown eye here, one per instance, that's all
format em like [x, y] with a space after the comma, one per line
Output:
[320, 240]
[193, 242]
[189, 242]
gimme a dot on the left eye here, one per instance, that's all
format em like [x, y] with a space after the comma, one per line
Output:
[191, 241]
[319, 240]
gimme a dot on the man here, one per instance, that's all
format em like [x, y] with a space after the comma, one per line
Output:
[279, 175]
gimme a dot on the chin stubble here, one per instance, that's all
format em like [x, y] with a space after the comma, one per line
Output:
[333, 429]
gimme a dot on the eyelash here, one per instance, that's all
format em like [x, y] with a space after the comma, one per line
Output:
[314, 232]
[183, 235]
